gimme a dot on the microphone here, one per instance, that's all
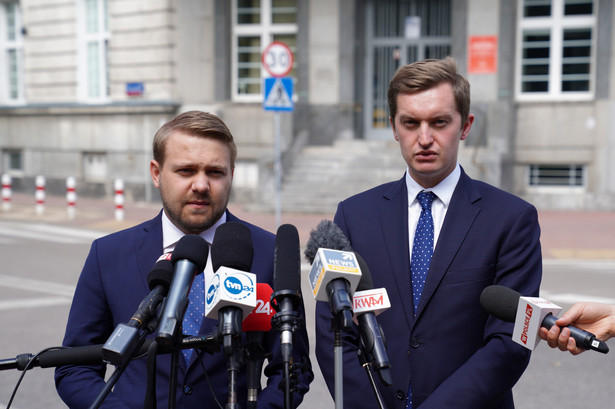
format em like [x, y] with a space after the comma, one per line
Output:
[286, 299]
[372, 337]
[335, 271]
[189, 258]
[255, 325]
[231, 292]
[93, 354]
[529, 314]
[123, 342]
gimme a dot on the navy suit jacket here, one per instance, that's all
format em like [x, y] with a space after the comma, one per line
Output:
[112, 284]
[452, 353]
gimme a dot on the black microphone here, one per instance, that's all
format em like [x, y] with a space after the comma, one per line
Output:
[502, 302]
[189, 258]
[286, 299]
[93, 354]
[125, 339]
[372, 338]
[328, 235]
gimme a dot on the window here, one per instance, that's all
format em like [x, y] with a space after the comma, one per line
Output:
[12, 161]
[11, 60]
[557, 175]
[94, 166]
[556, 50]
[93, 47]
[256, 24]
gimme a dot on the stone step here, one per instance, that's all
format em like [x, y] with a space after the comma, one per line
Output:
[322, 176]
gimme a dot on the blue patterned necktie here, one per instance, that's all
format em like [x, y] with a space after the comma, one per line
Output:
[422, 249]
[195, 311]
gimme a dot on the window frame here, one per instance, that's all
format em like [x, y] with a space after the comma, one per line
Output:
[6, 45]
[7, 167]
[581, 168]
[266, 30]
[101, 38]
[555, 24]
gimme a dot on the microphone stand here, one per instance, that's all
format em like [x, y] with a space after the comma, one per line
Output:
[119, 370]
[230, 327]
[366, 364]
[341, 321]
[286, 319]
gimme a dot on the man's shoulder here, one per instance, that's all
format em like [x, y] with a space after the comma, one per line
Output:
[373, 195]
[131, 232]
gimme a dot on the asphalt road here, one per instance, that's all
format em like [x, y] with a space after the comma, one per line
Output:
[41, 264]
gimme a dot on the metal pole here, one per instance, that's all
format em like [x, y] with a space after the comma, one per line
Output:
[277, 168]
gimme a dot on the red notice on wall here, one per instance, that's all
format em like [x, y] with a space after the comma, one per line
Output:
[483, 54]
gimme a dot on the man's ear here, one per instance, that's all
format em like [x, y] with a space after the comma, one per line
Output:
[154, 170]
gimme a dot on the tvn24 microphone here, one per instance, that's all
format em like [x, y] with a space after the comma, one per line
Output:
[189, 259]
[366, 301]
[125, 339]
[335, 271]
[231, 291]
[529, 314]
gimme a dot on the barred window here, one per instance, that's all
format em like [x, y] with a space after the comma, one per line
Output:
[557, 175]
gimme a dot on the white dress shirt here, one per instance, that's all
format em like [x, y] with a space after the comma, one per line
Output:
[443, 191]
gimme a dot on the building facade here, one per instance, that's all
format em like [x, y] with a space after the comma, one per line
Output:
[85, 84]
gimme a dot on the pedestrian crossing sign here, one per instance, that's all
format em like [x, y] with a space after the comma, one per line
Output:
[278, 94]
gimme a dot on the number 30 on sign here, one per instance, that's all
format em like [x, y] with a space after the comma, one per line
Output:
[277, 59]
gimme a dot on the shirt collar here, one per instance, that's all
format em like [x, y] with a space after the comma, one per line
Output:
[443, 190]
[171, 233]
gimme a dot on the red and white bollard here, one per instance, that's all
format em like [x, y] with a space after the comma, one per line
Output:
[71, 196]
[7, 192]
[119, 200]
[39, 195]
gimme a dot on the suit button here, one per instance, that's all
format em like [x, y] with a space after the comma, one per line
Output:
[187, 390]
[400, 394]
[414, 343]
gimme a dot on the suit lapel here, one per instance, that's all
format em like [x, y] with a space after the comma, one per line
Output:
[394, 221]
[459, 218]
[148, 246]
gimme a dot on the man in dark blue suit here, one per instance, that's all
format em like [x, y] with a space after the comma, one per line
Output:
[444, 350]
[194, 156]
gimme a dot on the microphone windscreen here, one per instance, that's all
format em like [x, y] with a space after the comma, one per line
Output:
[191, 247]
[501, 302]
[365, 283]
[232, 247]
[287, 259]
[161, 274]
[326, 235]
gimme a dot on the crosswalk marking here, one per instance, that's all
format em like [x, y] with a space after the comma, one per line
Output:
[571, 298]
[35, 285]
[11, 232]
[22, 303]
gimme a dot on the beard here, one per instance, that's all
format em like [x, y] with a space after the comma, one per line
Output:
[197, 221]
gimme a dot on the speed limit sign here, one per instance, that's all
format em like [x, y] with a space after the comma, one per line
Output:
[277, 59]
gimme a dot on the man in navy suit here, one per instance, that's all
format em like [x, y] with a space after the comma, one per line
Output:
[194, 156]
[444, 350]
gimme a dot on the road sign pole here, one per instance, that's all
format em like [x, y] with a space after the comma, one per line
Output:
[277, 168]
[277, 59]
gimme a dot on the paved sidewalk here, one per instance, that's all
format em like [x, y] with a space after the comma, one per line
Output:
[565, 234]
